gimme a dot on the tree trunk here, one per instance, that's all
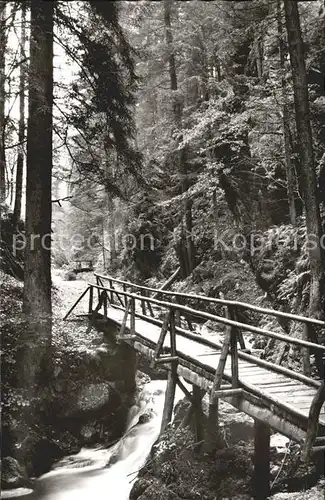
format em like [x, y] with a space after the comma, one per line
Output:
[186, 246]
[171, 61]
[3, 43]
[111, 231]
[103, 244]
[304, 135]
[37, 283]
[21, 127]
[291, 179]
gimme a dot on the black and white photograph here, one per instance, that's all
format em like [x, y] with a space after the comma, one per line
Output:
[162, 249]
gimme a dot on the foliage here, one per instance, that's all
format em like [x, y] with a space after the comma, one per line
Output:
[11, 255]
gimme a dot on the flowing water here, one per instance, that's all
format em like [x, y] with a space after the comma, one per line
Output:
[100, 473]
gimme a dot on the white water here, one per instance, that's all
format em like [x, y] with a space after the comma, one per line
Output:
[87, 476]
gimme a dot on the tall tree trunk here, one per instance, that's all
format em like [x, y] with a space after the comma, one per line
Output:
[3, 43]
[304, 135]
[171, 62]
[111, 231]
[37, 283]
[103, 244]
[290, 173]
[187, 257]
[21, 127]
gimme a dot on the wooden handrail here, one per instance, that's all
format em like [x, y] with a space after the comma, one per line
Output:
[224, 302]
[225, 321]
[76, 303]
[242, 355]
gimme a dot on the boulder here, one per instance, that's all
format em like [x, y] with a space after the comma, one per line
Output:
[13, 475]
[93, 396]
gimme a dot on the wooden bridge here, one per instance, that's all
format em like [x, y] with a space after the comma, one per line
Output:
[159, 324]
[81, 266]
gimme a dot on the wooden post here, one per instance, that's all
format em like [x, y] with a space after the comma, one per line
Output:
[198, 416]
[221, 365]
[91, 298]
[212, 437]
[105, 298]
[262, 460]
[177, 316]
[105, 304]
[125, 317]
[125, 297]
[132, 320]
[143, 304]
[161, 339]
[189, 323]
[172, 333]
[169, 397]
[98, 290]
[111, 293]
[233, 350]
[240, 337]
[150, 309]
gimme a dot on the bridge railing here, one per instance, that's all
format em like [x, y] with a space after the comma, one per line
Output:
[234, 307]
[236, 326]
[211, 300]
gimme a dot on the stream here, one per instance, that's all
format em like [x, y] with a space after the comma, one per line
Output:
[101, 473]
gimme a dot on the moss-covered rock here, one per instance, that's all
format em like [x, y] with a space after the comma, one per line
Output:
[13, 475]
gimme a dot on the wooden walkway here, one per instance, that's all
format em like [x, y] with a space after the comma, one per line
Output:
[162, 330]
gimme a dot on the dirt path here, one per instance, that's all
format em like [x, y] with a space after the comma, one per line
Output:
[65, 293]
[74, 332]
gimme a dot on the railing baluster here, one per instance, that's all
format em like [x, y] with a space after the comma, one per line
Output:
[125, 317]
[132, 320]
[143, 304]
[98, 284]
[91, 298]
[105, 305]
[233, 350]
[160, 343]
[111, 292]
[149, 306]
[172, 332]
[118, 295]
